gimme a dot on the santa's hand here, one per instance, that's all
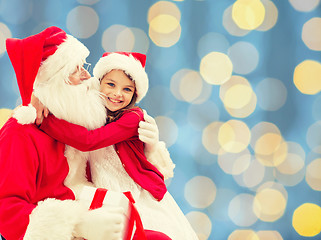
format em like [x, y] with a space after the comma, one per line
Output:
[148, 132]
[40, 108]
[101, 224]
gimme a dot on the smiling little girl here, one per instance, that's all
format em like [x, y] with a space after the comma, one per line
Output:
[123, 83]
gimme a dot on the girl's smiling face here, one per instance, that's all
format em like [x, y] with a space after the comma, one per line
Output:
[118, 89]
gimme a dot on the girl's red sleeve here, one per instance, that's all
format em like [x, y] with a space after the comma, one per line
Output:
[83, 139]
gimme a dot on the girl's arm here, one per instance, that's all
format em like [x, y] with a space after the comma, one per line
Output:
[87, 140]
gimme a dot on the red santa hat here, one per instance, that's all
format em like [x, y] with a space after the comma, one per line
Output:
[132, 63]
[37, 58]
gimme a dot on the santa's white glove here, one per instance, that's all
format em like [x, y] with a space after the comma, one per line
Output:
[148, 132]
[101, 224]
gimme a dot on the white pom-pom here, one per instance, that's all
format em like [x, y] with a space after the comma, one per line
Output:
[25, 114]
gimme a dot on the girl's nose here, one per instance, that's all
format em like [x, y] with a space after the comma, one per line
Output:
[117, 92]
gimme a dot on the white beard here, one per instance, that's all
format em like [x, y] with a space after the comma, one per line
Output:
[79, 104]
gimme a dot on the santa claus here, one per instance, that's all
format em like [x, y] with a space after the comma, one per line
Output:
[37, 201]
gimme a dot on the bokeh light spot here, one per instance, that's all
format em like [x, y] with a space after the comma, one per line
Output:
[268, 143]
[168, 130]
[237, 96]
[306, 220]
[188, 85]
[163, 7]
[252, 176]
[241, 100]
[234, 163]
[271, 94]
[140, 40]
[122, 38]
[82, 22]
[164, 24]
[294, 160]
[244, 234]
[201, 224]
[313, 137]
[234, 136]
[4, 115]
[316, 108]
[312, 176]
[210, 137]
[304, 5]
[269, 205]
[216, 68]
[248, 14]
[311, 34]
[200, 192]
[240, 210]
[271, 16]
[125, 39]
[88, 2]
[4, 34]
[191, 86]
[307, 77]
[244, 57]
[165, 40]
[230, 26]
[269, 235]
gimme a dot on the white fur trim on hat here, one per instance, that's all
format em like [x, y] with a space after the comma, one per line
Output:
[129, 65]
[25, 114]
[70, 54]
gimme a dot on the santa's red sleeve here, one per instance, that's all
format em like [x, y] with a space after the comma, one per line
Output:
[16, 186]
[88, 140]
[21, 216]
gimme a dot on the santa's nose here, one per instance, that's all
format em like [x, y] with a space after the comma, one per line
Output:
[85, 75]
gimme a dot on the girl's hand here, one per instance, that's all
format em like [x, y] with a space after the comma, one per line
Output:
[148, 132]
[42, 111]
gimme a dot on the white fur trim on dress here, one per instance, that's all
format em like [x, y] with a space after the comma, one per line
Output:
[25, 114]
[70, 54]
[54, 219]
[161, 159]
[76, 178]
[129, 65]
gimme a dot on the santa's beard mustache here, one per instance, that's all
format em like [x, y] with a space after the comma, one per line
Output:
[80, 104]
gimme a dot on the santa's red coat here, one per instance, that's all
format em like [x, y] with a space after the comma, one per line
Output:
[32, 168]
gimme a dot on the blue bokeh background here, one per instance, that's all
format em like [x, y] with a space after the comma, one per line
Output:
[103, 25]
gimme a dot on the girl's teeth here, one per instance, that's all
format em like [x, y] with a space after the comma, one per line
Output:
[114, 101]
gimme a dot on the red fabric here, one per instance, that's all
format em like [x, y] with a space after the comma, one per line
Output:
[139, 56]
[134, 217]
[123, 133]
[98, 199]
[153, 235]
[26, 56]
[32, 168]
[52, 42]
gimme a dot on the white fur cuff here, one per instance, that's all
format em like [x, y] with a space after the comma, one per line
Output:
[161, 159]
[54, 219]
[25, 114]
